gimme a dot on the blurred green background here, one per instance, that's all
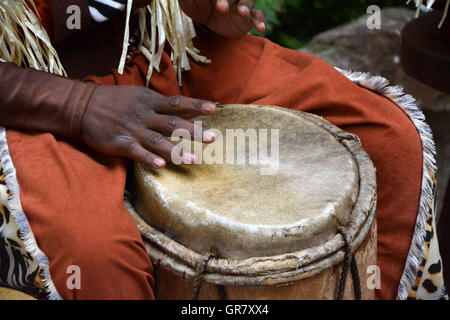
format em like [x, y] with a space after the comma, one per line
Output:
[292, 23]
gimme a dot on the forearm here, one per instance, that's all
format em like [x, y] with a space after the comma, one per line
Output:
[32, 100]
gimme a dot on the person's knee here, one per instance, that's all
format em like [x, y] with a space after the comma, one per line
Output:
[389, 134]
[104, 269]
[102, 261]
[394, 144]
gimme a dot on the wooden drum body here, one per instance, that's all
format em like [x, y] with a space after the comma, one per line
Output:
[238, 233]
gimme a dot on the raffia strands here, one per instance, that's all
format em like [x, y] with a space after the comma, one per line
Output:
[23, 40]
[447, 6]
[168, 23]
[430, 3]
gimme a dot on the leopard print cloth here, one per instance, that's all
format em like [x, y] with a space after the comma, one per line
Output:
[18, 269]
[23, 266]
[429, 281]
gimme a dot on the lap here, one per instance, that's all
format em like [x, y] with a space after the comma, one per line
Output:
[73, 200]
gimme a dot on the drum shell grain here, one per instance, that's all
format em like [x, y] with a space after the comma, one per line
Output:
[322, 286]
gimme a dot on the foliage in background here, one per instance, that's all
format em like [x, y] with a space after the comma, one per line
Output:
[292, 23]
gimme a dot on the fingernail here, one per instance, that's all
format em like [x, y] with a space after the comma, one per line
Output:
[223, 4]
[159, 163]
[209, 107]
[244, 10]
[209, 136]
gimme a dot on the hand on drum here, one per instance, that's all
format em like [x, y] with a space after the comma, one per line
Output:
[228, 18]
[132, 121]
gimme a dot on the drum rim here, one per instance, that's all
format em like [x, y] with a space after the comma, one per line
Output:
[272, 270]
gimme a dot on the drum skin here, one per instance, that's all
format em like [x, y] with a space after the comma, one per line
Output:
[273, 236]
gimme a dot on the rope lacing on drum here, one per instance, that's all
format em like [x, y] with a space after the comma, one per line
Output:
[200, 271]
[349, 261]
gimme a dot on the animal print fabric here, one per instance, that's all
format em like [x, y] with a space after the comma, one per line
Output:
[18, 269]
[429, 282]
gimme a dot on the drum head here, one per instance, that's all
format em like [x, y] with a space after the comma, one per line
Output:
[282, 203]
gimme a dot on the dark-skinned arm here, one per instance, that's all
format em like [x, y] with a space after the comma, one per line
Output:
[127, 121]
[33, 100]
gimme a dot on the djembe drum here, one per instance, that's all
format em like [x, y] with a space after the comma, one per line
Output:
[228, 231]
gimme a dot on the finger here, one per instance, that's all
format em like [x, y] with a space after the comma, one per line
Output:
[222, 6]
[138, 153]
[181, 104]
[158, 144]
[166, 125]
[245, 8]
[259, 20]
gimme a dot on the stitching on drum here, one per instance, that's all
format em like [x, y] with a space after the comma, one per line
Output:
[349, 262]
[199, 273]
